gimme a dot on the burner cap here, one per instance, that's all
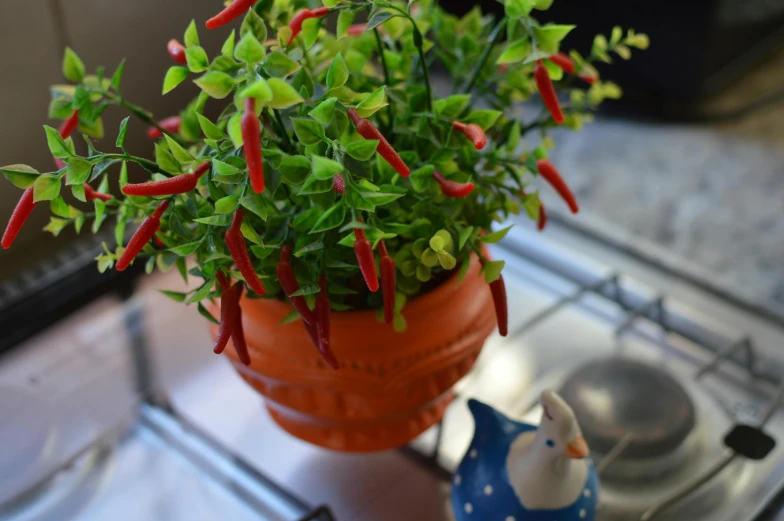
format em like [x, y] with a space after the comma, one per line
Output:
[615, 397]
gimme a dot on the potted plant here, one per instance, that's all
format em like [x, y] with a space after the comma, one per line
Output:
[335, 206]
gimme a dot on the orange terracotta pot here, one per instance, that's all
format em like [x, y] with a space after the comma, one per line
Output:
[390, 386]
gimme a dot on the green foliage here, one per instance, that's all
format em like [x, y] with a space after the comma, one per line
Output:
[303, 93]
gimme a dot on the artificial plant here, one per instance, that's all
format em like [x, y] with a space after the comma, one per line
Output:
[328, 150]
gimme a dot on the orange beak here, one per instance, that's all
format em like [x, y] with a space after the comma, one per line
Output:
[577, 448]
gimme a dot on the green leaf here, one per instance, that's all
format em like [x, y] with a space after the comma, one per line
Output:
[197, 59]
[330, 219]
[22, 176]
[308, 131]
[78, 192]
[78, 171]
[59, 208]
[250, 233]
[249, 50]
[377, 19]
[259, 89]
[337, 74]
[325, 111]
[542, 5]
[234, 128]
[191, 35]
[549, 37]
[362, 150]
[174, 76]
[513, 138]
[518, 8]
[309, 289]
[493, 271]
[554, 71]
[313, 185]
[179, 153]
[100, 214]
[201, 293]
[206, 314]
[117, 76]
[294, 169]
[280, 65]
[483, 118]
[123, 131]
[494, 237]
[57, 145]
[313, 246]
[215, 220]
[291, 317]
[463, 237]
[283, 94]
[310, 31]
[515, 52]
[217, 84]
[55, 226]
[422, 177]
[73, 67]
[227, 204]
[452, 106]
[210, 129]
[253, 24]
[165, 160]
[345, 20]
[324, 168]
[174, 295]
[228, 46]
[60, 108]
[370, 105]
[46, 187]
[185, 249]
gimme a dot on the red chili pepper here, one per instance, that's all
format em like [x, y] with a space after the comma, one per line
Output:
[238, 338]
[552, 176]
[176, 51]
[296, 23]
[453, 188]
[157, 243]
[547, 91]
[542, 215]
[587, 78]
[178, 184]
[69, 125]
[230, 299]
[171, 125]
[339, 184]
[503, 68]
[22, 211]
[322, 325]
[367, 261]
[368, 130]
[234, 10]
[251, 138]
[239, 252]
[59, 164]
[142, 236]
[356, 29]
[473, 132]
[563, 61]
[388, 282]
[498, 289]
[91, 194]
[288, 281]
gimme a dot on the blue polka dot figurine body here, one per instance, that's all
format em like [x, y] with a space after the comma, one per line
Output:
[514, 471]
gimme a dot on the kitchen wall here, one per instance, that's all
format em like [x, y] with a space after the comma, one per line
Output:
[33, 34]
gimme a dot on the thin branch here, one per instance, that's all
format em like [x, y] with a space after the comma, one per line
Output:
[383, 59]
[499, 28]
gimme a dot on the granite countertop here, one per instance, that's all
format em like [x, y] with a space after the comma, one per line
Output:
[703, 199]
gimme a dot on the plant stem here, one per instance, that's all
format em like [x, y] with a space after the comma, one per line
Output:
[282, 129]
[142, 115]
[140, 160]
[390, 113]
[424, 66]
[485, 54]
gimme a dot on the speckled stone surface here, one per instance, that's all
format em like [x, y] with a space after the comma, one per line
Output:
[707, 199]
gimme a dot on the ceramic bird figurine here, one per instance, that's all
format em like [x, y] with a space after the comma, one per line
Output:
[519, 472]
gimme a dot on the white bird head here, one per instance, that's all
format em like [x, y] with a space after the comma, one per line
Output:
[558, 429]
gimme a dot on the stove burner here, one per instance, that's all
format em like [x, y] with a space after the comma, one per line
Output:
[615, 397]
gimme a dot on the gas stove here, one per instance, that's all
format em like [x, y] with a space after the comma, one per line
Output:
[123, 412]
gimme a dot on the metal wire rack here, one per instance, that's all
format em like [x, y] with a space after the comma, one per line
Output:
[740, 352]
